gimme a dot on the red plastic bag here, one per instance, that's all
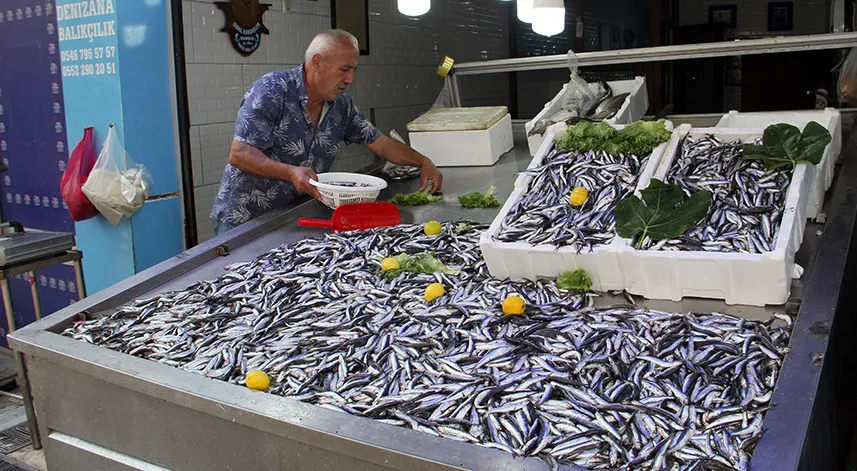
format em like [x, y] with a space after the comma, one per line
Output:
[79, 165]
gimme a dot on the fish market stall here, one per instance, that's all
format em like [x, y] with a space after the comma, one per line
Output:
[377, 377]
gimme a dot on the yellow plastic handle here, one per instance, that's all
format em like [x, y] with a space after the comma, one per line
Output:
[445, 66]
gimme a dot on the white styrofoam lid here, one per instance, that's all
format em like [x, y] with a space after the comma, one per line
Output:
[458, 119]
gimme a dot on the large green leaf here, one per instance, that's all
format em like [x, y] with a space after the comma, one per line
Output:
[662, 213]
[814, 140]
[785, 146]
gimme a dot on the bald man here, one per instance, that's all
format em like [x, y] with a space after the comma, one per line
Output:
[290, 125]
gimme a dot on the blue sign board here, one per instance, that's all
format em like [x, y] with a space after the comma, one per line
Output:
[34, 144]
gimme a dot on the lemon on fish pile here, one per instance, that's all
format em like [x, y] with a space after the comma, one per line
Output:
[578, 196]
[513, 305]
[433, 291]
[389, 263]
[257, 379]
[432, 228]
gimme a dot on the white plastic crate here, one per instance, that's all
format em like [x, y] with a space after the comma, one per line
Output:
[633, 109]
[829, 118]
[737, 278]
[462, 147]
[520, 260]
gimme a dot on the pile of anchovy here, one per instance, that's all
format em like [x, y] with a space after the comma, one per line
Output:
[617, 388]
[543, 215]
[748, 200]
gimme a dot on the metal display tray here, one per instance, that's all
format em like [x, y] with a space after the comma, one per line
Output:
[17, 247]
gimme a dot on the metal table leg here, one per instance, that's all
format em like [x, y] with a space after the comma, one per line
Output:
[78, 278]
[22, 367]
[34, 289]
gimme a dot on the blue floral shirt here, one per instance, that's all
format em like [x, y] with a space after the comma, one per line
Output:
[273, 118]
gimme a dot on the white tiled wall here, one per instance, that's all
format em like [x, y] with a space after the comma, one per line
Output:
[397, 78]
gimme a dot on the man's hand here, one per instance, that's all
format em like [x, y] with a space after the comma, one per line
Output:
[300, 177]
[428, 171]
[400, 154]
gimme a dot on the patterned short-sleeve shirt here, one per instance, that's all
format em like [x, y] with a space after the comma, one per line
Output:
[273, 118]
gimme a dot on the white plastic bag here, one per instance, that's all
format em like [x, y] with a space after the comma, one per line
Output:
[578, 94]
[399, 172]
[117, 186]
[848, 78]
[444, 98]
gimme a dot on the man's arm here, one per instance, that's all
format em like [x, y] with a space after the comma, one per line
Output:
[251, 160]
[400, 154]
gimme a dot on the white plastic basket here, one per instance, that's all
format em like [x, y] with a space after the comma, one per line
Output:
[338, 188]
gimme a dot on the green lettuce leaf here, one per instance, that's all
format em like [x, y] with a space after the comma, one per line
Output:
[417, 198]
[480, 200]
[420, 263]
[577, 280]
[638, 138]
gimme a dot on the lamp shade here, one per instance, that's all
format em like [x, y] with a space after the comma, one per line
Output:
[414, 7]
[548, 17]
[525, 10]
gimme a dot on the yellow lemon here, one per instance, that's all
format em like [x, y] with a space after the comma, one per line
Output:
[578, 196]
[513, 305]
[434, 290]
[389, 263]
[432, 228]
[257, 379]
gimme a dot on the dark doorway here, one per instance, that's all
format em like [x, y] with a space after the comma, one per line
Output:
[773, 82]
[698, 86]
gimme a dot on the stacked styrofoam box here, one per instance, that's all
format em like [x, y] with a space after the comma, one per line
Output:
[521, 260]
[633, 109]
[738, 278]
[829, 118]
[481, 147]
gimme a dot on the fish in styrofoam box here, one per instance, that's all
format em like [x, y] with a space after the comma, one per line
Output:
[633, 109]
[458, 137]
[830, 118]
[522, 260]
[756, 279]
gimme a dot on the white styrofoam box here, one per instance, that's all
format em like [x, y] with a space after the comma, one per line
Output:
[633, 109]
[829, 118]
[520, 260]
[465, 148]
[737, 278]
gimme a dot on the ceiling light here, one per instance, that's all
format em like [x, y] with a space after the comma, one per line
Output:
[414, 7]
[548, 17]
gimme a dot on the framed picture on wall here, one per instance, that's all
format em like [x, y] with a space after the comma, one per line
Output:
[352, 16]
[780, 16]
[726, 14]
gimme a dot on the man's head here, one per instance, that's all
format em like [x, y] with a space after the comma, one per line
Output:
[329, 63]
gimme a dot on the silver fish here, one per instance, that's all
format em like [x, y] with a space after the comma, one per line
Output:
[748, 200]
[610, 388]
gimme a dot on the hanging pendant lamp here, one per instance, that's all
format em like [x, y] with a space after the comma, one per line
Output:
[548, 17]
[414, 7]
[525, 11]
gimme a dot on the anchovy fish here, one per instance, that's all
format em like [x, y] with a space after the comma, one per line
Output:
[748, 200]
[612, 388]
[544, 215]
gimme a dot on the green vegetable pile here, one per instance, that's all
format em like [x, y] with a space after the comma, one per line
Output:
[638, 138]
[785, 146]
[420, 263]
[576, 280]
[663, 213]
[417, 198]
[480, 200]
